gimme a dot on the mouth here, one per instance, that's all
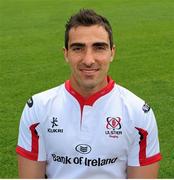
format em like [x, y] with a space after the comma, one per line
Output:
[89, 71]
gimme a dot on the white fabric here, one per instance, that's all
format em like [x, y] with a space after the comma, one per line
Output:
[82, 144]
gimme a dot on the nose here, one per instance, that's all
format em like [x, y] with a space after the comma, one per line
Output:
[88, 58]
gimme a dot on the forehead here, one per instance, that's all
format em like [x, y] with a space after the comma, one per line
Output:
[88, 34]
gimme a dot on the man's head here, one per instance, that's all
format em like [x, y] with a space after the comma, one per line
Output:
[86, 17]
[88, 50]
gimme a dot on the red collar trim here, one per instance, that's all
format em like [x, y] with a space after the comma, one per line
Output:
[90, 101]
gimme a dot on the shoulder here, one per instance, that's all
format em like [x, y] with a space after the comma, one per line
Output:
[135, 108]
[46, 97]
[39, 105]
[49, 95]
[129, 98]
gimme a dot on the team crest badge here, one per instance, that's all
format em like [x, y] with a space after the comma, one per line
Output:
[113, 127]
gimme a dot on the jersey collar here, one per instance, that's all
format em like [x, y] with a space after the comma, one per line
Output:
[90, 101]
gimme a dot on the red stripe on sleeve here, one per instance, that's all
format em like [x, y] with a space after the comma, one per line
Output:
[142, 153]
[152, 159]
[33, 154]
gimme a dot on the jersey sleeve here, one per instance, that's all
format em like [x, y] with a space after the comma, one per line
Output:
[145, 147]
[30, 140]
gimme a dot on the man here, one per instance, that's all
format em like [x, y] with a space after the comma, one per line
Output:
[88, 127]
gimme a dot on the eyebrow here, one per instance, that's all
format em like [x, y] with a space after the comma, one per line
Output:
[77, 44]
[95, 44]
[104, 44]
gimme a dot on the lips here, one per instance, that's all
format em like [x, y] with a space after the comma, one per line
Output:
[89, 71]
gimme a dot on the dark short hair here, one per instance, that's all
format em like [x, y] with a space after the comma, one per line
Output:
[87, 17]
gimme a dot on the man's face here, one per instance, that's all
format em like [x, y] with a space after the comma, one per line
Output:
[89, 55]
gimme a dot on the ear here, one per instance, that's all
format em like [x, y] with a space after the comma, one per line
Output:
[65, 51]
[112, 53]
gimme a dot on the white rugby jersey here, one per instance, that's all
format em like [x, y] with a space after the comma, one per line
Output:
[94, 138]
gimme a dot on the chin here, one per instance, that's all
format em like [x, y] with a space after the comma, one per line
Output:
[89, 85]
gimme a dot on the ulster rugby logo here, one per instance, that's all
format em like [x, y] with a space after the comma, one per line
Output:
[113, 126]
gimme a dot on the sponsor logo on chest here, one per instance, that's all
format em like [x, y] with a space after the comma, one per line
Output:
[83, 160]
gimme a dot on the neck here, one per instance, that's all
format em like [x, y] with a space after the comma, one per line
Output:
[87, 91]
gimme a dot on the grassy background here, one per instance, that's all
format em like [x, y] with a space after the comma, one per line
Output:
[31, 60]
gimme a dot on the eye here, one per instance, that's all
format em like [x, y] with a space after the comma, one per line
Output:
[77, 49]
[100, 48]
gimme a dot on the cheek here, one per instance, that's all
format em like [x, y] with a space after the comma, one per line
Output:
[104, 61]
[74, 56]
[73, 59]
[105, 65]
[103, 57]
[73, 64]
